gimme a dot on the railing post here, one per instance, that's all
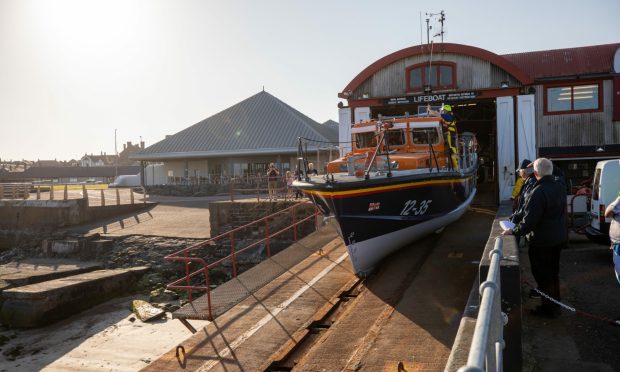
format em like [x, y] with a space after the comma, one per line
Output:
[52, 192]
[102, 198]
[187, 278]
[1, 192]
[38, 192]
[267, 237]
[294, 222]
[234, 258]
[84, 194]
[66, 193]
[231, 190]
[208, 292]
[131, 195]
[118, 196]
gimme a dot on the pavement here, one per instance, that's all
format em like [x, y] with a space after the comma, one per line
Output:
[581, 339]
[175, 217]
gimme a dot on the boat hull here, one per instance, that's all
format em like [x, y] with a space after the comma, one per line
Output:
[377, 218]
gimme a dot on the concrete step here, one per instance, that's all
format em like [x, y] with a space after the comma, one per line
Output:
[36, 270]
[35, 305]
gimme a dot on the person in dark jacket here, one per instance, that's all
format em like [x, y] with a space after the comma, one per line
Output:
[544, 223]
[527, 174]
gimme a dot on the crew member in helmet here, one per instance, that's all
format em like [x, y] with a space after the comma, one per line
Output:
[449, 127]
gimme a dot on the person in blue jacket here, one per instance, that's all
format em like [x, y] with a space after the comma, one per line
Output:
[613, 211]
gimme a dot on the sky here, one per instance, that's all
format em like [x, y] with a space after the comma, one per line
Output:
[86, 76]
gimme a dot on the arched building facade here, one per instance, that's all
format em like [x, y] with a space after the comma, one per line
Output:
[563, 104]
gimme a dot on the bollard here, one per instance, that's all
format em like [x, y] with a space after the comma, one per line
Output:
[66, 195]
[39, 192]
[102, 198]
[51, 192]
[85, 193]
[118, 197]
[131, 195]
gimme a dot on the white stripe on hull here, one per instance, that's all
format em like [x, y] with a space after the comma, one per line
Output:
[365, 255]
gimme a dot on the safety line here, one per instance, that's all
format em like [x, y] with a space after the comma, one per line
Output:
[271, 315]
[615, 322]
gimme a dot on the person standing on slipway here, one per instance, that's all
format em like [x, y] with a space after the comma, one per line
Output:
[544, 222]
[613, 211]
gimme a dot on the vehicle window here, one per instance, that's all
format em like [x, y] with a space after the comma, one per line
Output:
[595, 185]
[395, 137]
[422, 136]
[363, 140]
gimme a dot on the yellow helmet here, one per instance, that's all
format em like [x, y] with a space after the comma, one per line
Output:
[447, 108]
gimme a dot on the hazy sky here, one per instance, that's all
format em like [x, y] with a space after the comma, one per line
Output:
[73, 71]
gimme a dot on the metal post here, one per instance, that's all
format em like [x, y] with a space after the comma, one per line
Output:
[131, 195]
[118, 197]
[102, 198]
[52, 192]
[38, 192]
[1, 192]
[294, 223]
[66, 194]
[234, 258]
[208, 292]
[267, 237]
[187, 278]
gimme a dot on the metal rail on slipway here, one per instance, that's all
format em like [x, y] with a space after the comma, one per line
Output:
[190, 254]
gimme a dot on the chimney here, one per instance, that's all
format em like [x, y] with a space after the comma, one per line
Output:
[124, 147]
[141, 144]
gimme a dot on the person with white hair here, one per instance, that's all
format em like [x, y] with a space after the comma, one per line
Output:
[544, 225]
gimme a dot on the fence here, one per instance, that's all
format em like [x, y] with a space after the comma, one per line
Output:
[198, 279]
[486, 351]
[96, 195]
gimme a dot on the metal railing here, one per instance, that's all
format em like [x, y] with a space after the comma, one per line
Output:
[486, 351]
[191, 254]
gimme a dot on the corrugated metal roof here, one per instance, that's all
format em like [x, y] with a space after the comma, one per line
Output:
[261, 123]
[582, 61]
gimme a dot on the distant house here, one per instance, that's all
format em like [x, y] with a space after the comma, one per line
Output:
[48, 163]
[241, 141]
[128, 149]
[102, 160]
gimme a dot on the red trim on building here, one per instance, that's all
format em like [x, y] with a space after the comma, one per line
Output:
[498, 60]
[573, 83]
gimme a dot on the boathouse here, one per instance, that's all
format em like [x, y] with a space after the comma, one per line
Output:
[563, 104]
[241, 141]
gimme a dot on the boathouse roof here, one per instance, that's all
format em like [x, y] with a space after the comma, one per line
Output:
[260, 124]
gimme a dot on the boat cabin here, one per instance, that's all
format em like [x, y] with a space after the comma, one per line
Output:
[409, 143]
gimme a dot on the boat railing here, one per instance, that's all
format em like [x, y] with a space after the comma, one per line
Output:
[486, 351]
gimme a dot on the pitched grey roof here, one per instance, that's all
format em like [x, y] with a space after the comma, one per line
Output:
[260, 124]
[58, 172]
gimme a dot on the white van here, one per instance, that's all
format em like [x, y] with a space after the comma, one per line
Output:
[605, 187]
[126, 180]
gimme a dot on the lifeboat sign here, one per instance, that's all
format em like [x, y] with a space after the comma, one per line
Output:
[430, 98]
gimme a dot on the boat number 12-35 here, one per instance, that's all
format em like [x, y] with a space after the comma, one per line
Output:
[413, 208]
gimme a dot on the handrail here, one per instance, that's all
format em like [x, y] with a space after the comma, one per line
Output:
[184, 255]
[489, 312]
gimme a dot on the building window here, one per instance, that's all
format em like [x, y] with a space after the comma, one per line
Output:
[438, 75]
[573, 98]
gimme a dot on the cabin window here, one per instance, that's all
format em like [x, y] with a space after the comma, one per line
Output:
[438, 75]
[363, 140]
[573, 98]
[395, 137]
[424, 136]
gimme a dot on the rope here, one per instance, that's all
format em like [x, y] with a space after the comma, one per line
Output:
[615, 322]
